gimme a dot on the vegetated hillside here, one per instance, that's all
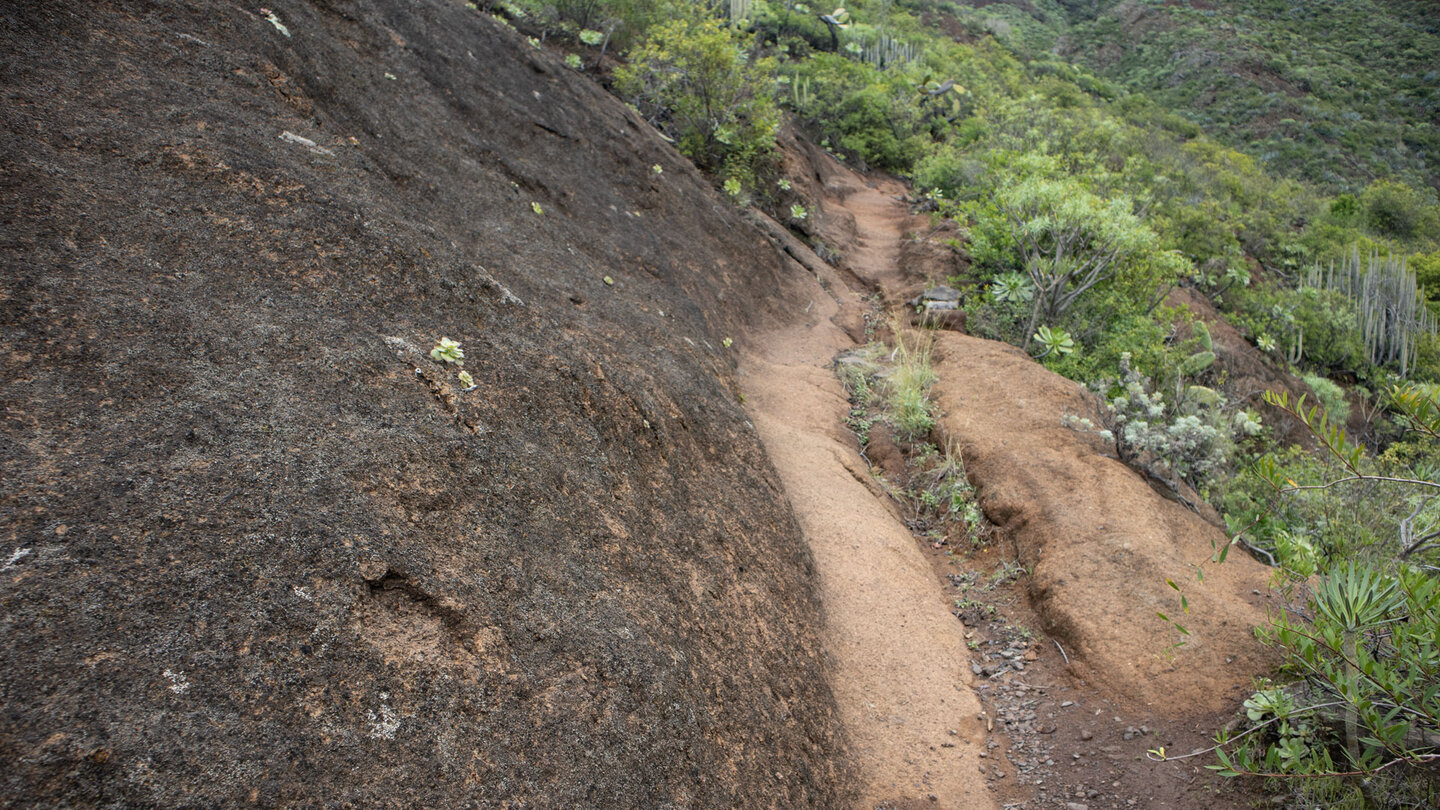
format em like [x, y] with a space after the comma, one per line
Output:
[1337, 92]
[260, 547]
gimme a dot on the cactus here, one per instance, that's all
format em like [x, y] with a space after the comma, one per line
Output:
[1205, 397]
[800, 95]
[738, 9]
[1387, 299]
[885, 51]
[1196, 363]
[1202, 334]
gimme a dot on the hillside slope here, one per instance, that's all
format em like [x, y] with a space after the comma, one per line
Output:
[1337, 92]
[260, 548]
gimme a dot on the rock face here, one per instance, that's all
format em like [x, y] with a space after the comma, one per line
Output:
[259, 547]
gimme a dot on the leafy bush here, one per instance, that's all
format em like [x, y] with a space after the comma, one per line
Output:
[1363, 646]
[1318, 328]
[1397, 211]
[1331, 397]
[1190, 438]
[1070, 239]
[693, 80]
[618, 23]
[873, 114]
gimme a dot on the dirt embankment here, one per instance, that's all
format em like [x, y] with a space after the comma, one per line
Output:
[1100, 544]
[1068, 717]
[258, 547]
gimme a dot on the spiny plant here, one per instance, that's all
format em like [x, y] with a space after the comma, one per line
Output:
[1364, 643]
[1392, 312]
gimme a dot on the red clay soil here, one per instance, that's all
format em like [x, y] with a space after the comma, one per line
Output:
[1099, 542]
[901, 676]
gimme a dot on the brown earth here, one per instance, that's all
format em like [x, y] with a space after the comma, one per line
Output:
[901, 678]
[1100, 544]
[1084, 522]
[1067, 716]
[261, 549]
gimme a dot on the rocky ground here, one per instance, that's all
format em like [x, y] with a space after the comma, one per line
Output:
[259, 546]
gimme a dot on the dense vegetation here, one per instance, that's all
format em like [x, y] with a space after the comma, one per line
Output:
[1233, 149]
[1338, 92]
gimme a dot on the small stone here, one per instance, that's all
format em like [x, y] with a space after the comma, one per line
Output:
[1067, 704]
[1076, 806]
[1087, 735]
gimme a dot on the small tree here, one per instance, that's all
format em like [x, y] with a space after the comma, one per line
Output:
[1071, 239]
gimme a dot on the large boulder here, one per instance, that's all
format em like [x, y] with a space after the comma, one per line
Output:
[259, 547]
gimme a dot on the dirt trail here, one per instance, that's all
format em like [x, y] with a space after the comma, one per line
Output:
[901, 674]
[1098, 542]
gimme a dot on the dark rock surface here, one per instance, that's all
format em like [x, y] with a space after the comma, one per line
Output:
[259, 548]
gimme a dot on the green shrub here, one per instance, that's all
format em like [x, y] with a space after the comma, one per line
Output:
[1354, 540]
[1398, 211]
[620, 23]
[1331, 396]
[693, 80]
[1070, 239]
[875, 115]
[1189, 436]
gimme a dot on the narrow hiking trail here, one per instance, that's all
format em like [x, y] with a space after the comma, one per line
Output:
[931, 722]
[901, 671]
